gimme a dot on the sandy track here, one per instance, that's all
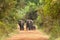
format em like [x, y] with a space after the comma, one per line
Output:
[29, 35]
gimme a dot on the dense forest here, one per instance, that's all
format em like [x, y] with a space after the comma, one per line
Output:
[45, 14]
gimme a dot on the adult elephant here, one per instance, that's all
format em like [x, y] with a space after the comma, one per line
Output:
[21, 24]
[29, 24]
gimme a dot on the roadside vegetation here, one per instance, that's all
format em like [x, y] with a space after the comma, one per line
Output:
[44, 13]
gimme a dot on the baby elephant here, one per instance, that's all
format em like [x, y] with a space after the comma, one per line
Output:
[33, 28]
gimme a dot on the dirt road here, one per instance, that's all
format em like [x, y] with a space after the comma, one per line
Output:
[29, 35]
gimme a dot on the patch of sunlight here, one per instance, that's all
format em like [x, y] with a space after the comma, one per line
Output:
[57, 38]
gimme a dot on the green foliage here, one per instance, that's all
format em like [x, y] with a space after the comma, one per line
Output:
[7, 17]
[6, 28]
[51, 8]
[33, 1]
[48, 13]
[38, 21]
[32, 15]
